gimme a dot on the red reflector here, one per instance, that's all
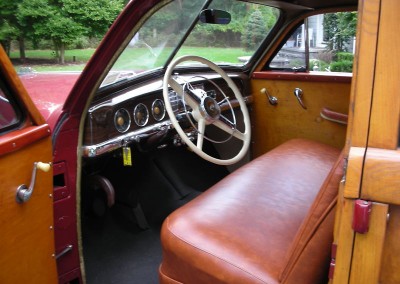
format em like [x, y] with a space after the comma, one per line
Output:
[362, 211]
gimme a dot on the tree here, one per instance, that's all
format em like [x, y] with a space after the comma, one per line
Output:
[62, 21]
[254, 31]
[9, 26]
[339, 29]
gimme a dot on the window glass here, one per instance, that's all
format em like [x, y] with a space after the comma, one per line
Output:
[331, 45]
[8, 112]
[161, 36]
[235, 43]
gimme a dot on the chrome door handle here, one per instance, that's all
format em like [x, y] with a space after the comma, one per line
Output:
[24, 192]
[299, 95]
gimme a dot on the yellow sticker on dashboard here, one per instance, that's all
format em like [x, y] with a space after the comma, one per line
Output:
[126, 155]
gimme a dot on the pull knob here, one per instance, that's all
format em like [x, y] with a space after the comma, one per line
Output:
[272, 100]
[299, 95]
[24, 192]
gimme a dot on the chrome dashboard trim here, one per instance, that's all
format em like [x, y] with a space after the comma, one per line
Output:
[90, 151]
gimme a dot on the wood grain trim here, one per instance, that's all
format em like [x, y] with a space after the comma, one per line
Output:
[384, 126]
[381, 181]
[21, 138]
[309, 77]
[345, 240]
[364, 71]
[355, 165]
[368, 248]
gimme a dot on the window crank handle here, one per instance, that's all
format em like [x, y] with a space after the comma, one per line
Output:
[24, 192]
[299, 95]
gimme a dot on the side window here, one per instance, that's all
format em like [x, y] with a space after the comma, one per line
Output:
[9, 113]
[330, 46]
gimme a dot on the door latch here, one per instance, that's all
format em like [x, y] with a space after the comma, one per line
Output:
[24, 192]
[299, 95]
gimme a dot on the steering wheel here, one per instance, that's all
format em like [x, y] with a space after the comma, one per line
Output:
[206, 110]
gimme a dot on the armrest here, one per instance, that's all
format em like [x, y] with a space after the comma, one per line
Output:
[334, 116]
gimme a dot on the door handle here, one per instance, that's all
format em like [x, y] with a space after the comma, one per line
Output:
[24, 192]
[299, 95]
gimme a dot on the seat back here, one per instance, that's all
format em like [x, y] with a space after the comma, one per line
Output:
[307, 261]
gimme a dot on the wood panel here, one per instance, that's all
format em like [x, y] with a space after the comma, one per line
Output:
[355, 164]
[368, 248]
[273, 125]
[344, 237]
[364, 71]
[381, 179]
[26, 239]
[391, 252]
[384, 132]
[357, 134]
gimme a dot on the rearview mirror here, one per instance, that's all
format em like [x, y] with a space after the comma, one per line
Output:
[213, 16]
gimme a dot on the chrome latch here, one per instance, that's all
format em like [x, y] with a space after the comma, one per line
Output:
[299, 95]
[66, 250]
[24, 192]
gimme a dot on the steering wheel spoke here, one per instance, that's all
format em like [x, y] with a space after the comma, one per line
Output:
[189, 97]
[200, 136]
[229, 127]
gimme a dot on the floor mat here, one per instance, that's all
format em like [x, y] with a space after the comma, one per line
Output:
[119, 252]
[115, 249]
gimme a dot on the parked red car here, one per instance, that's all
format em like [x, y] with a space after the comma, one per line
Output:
[202, 148]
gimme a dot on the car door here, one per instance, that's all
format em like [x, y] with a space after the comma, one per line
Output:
[368, 248]
[301, 88]
[26, 217]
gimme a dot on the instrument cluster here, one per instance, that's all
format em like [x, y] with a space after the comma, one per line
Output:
[138, 115]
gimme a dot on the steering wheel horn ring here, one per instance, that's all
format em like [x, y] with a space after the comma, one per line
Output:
[206, 110]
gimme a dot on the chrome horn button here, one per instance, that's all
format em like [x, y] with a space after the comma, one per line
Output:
[210, 109]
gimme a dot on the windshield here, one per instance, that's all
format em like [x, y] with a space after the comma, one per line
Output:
[176, 25]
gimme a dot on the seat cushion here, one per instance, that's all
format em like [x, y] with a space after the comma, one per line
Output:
[241, 229]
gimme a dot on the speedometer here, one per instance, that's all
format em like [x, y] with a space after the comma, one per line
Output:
[158, 109]
[122, 120]
[141, 114]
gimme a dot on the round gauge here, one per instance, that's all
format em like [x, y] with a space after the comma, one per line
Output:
[122, 120]
[158, 109]
[141, 114]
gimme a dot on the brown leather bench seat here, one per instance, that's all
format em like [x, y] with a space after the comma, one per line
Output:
[271, 221]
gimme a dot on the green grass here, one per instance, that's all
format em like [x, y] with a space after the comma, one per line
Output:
[133, 59]
[80, 54]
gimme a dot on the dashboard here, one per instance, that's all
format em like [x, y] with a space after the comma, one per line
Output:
[137, 114]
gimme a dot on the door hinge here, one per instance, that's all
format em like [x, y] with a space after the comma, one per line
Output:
[346, 162]
[333, 261]
[362, 212]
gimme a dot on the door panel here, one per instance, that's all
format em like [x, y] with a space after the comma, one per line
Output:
[27, 244]
[275, 124]
[26, 228]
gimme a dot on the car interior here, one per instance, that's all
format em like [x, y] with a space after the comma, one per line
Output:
[193, 171]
